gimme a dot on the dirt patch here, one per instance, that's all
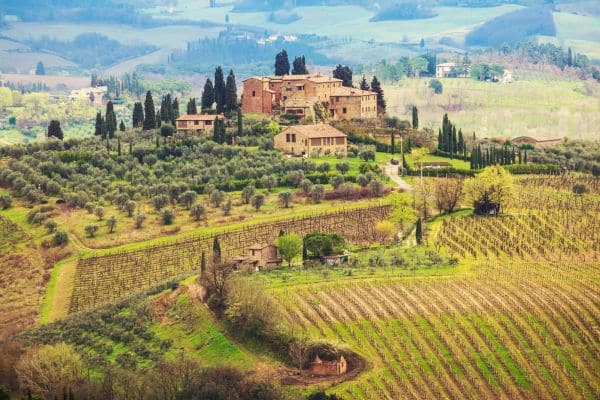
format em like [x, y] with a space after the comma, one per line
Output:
[356, 365]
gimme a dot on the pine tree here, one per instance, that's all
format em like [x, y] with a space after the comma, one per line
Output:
[230, 93]
[376, 87]
[364, 85]
[415, 118]
[219, 89]
[54, 130]
[122, 126]
[208, 95]
[98, 127]
[138, 115]
[149, 113]
[282, 63]
[299, 66]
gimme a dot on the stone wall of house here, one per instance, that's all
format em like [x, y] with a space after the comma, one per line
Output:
[256, 99]
[106, 277]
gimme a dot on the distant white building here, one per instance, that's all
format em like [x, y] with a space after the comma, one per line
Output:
[93, 94]
[450, 69]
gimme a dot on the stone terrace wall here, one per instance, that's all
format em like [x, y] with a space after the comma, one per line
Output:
[104, 278]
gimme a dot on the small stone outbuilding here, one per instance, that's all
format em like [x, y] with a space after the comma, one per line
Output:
[320, 367]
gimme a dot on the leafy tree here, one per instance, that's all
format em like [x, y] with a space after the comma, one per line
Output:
[319, 244]
[40, 69]
[436, 86]
[130, 207]
[51, 226]
[448, 193]
[258, 200]
[282, 63]
[343, 167]
[149, 112]
[285, 198]
[219, 89]
[5, 201]
[490, 190]
[188, 198]
[99, 211]
[376, 87]
[54, 130]
[197, 211]
[299, 66]
[336, 181]
[289, 247]
[159, 201]
[139, 220]
[376, 187]
[415, 117]
[167, 130]
[216, 197]
[268, 182]
[230, 93]
[208, 95]
[227, 206]
[317, 193]
[247, 193]
[345, 74]
[91, 230]
[111, 223]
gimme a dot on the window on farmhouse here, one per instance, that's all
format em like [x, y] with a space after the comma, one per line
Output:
[254, 93]
[208, 123]
[344, 111]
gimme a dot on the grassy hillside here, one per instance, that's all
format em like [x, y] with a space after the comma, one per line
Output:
[542, 107]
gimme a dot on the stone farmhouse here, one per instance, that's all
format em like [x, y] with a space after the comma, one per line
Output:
[321, 367]
[260, 256]
[298, 95]
[311, 140]
[197, 123]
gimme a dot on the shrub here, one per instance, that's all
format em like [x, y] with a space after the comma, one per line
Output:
[99, 211]
[51, 226]
[5, 201]
[436, 86]
[167, 216]
[60, 238]
[258, 200]
[580, 188]
[91, 230]
[139, 220]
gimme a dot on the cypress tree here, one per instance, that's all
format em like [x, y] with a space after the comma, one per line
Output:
[454, 141]
[202, 264]
[440, 140]
[111, 119]
[208, 95]
[419, 231]
[191, 107]
[174, 111]
[282, 63]
[461, 143]
[103, 129]
[520, 156]
[240, 122]
[118, 146]
[525, 157]
[54, 130]
[130, 147]
[393, 142]
[415, 118]
[376, 87]
[138, 115]
[165, 105]
[216, 251]
[122, 126]
[98, 127]
[364, 85]
[158, 120]
[149, 113]
[230, 93]
[219, 89]
[299, 66]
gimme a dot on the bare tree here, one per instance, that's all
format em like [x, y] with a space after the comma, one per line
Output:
[448, 193]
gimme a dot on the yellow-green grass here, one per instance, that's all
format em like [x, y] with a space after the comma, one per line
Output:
[459, 164]
[547, 107]
[57, 297]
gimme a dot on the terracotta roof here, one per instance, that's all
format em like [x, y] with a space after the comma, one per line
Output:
[316, 131]
[347, 91]
[199, 117]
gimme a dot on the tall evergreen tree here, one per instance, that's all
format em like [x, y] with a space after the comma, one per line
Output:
[54, 130]
[158, 120]
[299, 66]
[191, 107]
[138, 115]
[166, 108]
[98, 127]
[440, 140]
[376, 87]
[454, 141]
[122, 126]
[240, 122]
[461, 143]
[282, 63]
[40, 69]
[174, 111]
[415, 118]
[149, 113]
[393, 142]
[219, 89]
[230, 93]
[364, 85]
[216, 248]
[208, 95]
[345, 74]
[111, 119]
[419, 231]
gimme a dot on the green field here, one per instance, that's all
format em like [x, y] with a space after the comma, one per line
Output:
[542, 107]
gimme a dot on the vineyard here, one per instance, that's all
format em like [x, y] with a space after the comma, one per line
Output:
[103, 278]
[518, 330]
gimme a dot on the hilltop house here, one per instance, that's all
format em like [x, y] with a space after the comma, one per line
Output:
[298, 95]
[451, 70]
[93, 94]
[197, 123]
[309, 140]
[320, 367]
